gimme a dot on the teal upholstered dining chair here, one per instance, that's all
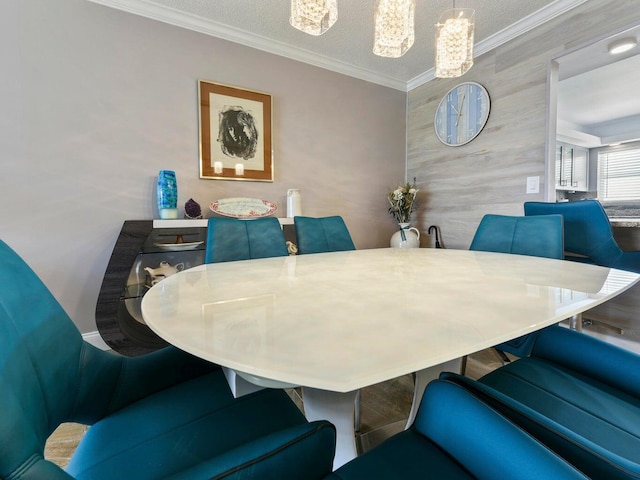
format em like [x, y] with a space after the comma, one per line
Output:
[588, 233]
[161, 415]
[231, 239]
[323, 234]
[537, 236]
[540, 236]
[575, 393]
[456, 436]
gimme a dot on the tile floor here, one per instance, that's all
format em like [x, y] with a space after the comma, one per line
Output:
[385, 407]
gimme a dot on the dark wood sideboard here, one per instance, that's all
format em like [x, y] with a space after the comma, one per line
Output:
[125, 282]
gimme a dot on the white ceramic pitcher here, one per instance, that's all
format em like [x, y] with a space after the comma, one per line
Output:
[406, 237]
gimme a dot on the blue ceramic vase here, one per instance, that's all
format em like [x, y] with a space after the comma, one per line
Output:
[167, 194]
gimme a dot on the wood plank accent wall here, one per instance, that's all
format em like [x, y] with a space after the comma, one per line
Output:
[458, 185]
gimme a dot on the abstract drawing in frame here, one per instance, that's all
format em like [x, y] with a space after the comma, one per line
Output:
[235, 133]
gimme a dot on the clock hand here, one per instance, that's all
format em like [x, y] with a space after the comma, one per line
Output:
[460, 112]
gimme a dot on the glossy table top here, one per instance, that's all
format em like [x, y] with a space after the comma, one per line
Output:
[345, 320]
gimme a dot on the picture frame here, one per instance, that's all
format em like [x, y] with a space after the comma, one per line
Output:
[235, 133]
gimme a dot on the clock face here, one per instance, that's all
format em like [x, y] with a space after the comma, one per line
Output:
[462, 114]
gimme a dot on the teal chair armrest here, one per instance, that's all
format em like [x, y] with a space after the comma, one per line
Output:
[474, 435]
[303, 452]
[552, 434]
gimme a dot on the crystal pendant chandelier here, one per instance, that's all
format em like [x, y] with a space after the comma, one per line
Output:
[394, 27]
[313, 16]
[454, 43]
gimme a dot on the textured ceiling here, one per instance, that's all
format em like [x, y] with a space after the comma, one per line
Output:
[347, 46]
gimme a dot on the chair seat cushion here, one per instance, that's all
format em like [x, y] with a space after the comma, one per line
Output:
[588, 422]
[178, 429]
[405, 455]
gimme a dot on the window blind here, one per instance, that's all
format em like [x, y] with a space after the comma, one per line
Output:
[619, 175]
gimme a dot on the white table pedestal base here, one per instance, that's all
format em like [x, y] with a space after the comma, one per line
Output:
[238, 385]
[422, 378]
[339, 409]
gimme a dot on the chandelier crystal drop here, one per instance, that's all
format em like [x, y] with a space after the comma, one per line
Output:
[393, 27]
[313, 16]
[454, 43]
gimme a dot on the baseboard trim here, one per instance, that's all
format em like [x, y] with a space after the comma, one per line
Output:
[96, 340]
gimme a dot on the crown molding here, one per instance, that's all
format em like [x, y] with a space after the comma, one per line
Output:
[215, 29]
[195, 23]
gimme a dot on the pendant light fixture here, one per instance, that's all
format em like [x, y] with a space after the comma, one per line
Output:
[313, 16]
[454, 42]
[393, 27]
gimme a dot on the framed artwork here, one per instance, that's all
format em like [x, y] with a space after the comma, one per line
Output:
[235, 133]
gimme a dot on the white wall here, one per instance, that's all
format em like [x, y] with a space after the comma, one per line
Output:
[95, 101]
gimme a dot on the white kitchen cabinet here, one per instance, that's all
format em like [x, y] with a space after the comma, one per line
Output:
[572, 167]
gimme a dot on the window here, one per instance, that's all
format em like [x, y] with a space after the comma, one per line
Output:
[619, 174]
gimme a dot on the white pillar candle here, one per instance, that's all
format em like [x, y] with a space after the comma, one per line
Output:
[294, 203]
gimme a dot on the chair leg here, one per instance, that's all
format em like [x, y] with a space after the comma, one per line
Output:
[357, 413]
[575, 322]
[502, 355]
[588, 321]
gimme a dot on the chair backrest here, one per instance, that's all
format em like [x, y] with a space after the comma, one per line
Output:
[324, 234]
[539, 236]
[586, 228]
[40, 357]
[230, 239]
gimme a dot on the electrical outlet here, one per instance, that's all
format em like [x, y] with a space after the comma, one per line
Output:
[533, 184]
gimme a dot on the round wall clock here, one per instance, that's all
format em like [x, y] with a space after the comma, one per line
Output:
[462, 114]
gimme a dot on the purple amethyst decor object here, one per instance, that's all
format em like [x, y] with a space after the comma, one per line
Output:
[192, 209]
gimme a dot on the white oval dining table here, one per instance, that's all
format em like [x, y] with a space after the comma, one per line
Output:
[334, 323]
